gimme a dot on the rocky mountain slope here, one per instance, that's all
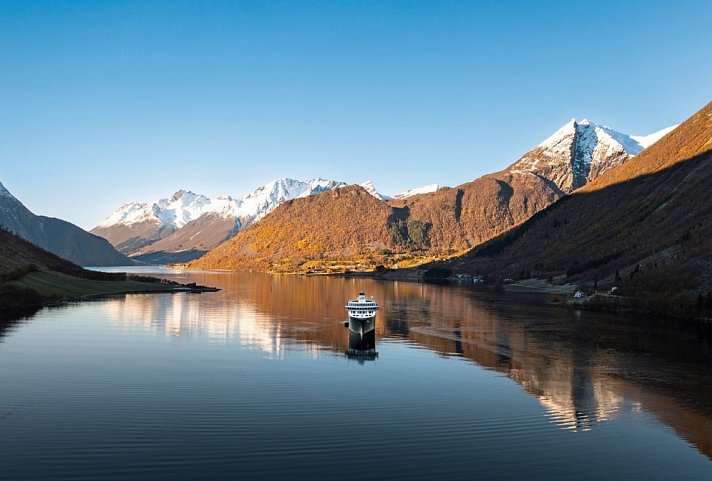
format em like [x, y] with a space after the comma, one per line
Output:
[57, 236]
[642, 226]
[319, 231]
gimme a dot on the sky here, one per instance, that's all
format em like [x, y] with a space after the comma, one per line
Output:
[103, 103]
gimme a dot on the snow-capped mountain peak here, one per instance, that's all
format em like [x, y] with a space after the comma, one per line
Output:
[174, 212]
[178, 194]
[580, 151]
[182, 207]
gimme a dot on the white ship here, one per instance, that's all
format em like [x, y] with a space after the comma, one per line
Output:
[362, 314]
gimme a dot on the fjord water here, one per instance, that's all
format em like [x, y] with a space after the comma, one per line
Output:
[252, 383]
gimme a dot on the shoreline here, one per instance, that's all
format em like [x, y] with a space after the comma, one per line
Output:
[30, 293]
[561, 295]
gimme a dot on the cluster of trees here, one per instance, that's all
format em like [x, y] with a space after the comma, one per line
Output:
[410, 234]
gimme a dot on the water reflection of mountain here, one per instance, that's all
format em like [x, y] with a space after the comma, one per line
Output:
[187, 316]
[584, 369]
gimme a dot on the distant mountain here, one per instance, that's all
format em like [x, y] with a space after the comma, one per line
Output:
[307, 233]
[643, 226]
[20, 255]
[425, 189]
[57, 236]
[186, 225]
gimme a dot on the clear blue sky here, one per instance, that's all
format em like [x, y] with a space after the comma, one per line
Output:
[108, 102]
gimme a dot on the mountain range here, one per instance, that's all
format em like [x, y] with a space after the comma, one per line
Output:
[642, 227]
[349, 227]
[186, 225]
[57, 236]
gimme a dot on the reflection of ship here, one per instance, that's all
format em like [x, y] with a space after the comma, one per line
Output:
[362, 326]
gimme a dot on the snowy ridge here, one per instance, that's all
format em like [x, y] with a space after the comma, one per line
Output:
[131, 213]
[185, 206]
[557, 142]
[371, 189]
[425, 189]
[176, 211]
[265, 199]
[648, 140]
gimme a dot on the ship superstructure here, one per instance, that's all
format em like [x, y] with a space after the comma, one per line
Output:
[362, 313]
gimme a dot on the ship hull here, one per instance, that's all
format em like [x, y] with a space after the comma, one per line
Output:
[362, 326]
[362, 344]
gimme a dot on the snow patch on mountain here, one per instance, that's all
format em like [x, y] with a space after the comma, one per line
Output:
[425, 189]
[371, 189]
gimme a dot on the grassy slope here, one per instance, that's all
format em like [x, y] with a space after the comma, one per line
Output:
[57, 285]
[17, 255]
[30, 276]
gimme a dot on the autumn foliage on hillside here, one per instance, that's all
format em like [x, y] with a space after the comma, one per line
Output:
[335, 224]
[348, 226]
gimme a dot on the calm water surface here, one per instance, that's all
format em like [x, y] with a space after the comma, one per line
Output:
[253, 383]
